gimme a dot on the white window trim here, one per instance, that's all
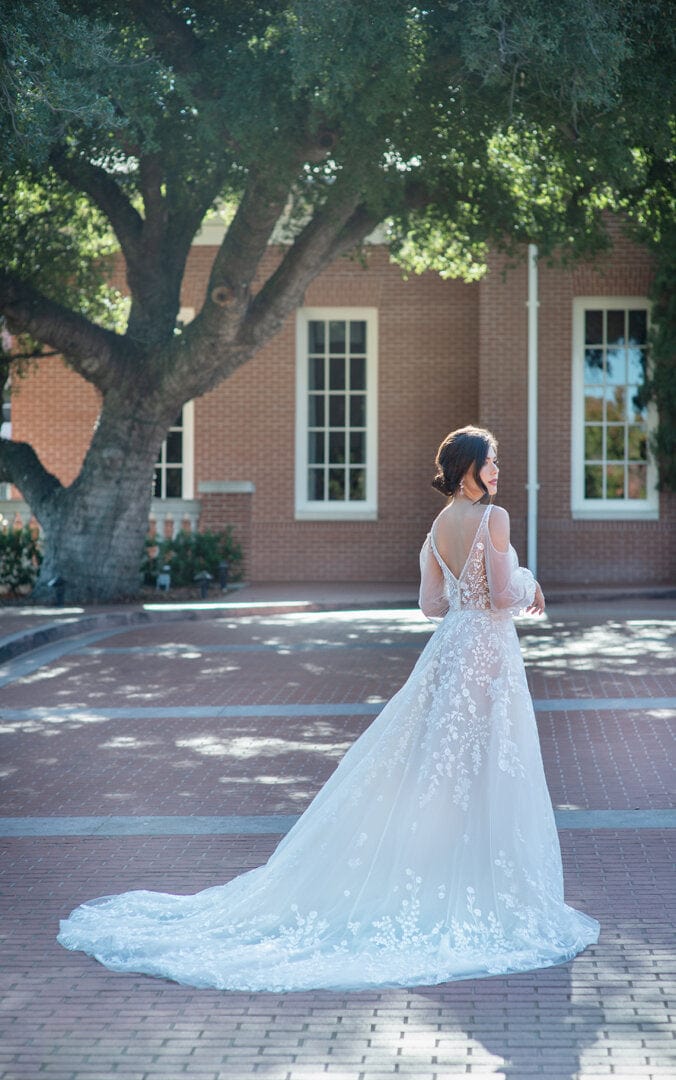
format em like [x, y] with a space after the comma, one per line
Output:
[186, 315]
[603, 509]
[366, 510]
[189, 450]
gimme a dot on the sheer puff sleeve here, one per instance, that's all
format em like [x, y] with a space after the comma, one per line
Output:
[511, 587]
[432, 598]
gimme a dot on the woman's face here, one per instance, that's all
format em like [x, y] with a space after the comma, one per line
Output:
[489, 472]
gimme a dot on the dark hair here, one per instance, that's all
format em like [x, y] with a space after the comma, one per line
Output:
[462, 449]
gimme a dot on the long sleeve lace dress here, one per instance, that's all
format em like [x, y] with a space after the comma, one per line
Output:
[431, 854]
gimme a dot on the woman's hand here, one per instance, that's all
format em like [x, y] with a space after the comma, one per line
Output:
[538, 605]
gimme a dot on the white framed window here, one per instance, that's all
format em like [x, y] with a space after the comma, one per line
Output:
[613, 475]
[174, 469]
[336, 413]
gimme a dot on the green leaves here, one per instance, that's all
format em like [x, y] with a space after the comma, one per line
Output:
[464, 123]
[51, 236]
[51, 66]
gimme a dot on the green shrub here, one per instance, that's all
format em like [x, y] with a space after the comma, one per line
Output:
[20, 559]
[189, 554]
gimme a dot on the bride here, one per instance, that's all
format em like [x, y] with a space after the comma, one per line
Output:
[431, 854]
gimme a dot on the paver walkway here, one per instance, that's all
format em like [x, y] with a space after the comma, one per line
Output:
[173, 756]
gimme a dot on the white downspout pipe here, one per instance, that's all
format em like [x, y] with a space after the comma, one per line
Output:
[532, 486]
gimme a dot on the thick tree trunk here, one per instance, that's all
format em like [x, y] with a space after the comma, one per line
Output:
[94, 530]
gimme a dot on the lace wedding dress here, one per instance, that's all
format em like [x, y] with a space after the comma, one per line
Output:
[431, 854]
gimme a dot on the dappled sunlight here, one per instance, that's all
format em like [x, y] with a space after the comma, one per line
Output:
[128, 742]
[611, 645]
[267, 781]
[249, 746]
[221, 669]
[44, 721]
[44, 673]
[313, 669]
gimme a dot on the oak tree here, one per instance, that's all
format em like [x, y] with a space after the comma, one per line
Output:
[459, 124]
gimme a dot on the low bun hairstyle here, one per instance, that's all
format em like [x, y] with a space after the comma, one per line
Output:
[462, 450]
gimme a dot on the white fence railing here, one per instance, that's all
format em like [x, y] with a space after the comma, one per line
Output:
[167, 516]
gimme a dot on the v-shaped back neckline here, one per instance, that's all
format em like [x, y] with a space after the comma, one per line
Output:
[442, 562]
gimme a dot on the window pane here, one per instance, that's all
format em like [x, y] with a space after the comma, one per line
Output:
[336, 410]
[357, 410]
[635, 411]
[358, 336]
[593, 482]
[637, 482]
[316, 373]
[357, 448]
[615, 442]
[637, 443]
[357, 484]
[593, 327]
[593, 442]
[615, 481]
[616, 366]
[337, 448]
[337, 373]
[316, 410]
[638, 327]
[593, 403]
[358, 373]
[336, 484]
[593, 365]
[615, 328]
[315, 336]
[636, 366]
[315, 452]
[615, 396]
[157, 484]
[315, 485]
[175, 447]
[337, 337]
[174, 483]
[178, 422]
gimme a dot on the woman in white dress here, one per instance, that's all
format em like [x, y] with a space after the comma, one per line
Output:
[431, 853]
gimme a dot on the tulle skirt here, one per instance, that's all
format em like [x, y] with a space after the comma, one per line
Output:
[431, 854]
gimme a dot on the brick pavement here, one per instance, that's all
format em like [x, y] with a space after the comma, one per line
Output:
[608, 1013]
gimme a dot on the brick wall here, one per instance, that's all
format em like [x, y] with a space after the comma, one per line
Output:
[431, 336]
[569, 551]
[245, 428]
[55, 410]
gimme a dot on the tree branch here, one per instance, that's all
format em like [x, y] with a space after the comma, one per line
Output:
[93, 352]
[248, 235]
[154, 204]
[338, 227]
[175, 41]
[94, 181]
[20, 465]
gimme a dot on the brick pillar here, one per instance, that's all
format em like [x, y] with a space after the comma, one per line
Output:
[229, 503]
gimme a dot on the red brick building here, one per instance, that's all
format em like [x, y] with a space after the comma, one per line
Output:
[319, 451]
